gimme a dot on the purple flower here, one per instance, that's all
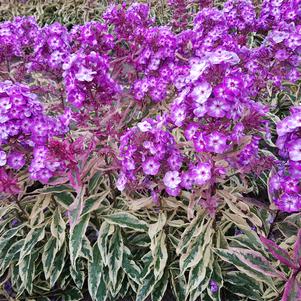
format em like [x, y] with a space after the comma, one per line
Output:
[16, 160]
[289, 202]
[151, 166]
[3, 158]
[216, 142]
[295, 150]
[213, 286]
[187, 179]
[202, 173]
[121, 181]
[201, 92]
[172, 179]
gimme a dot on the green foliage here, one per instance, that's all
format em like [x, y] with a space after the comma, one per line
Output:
[111, 252]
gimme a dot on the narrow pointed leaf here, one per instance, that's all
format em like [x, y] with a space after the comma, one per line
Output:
[76, 238]
[58, 227]
[292, 290]
[48, 256]
[279, 253]
[297, 249]
[94, 272]
[126, 220]
[32, 238]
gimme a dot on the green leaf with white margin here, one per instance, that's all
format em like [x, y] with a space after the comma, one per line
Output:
[102, 291]
[50, 250]
[95, 181]
[257, 262]
[37, 213]
[65, 199]
[27, 270]
[114, 290]
[195, 251]
[93, 202]
[8, 235]
[86, 250]
[217, 277]
[58, 265]
[178, 283]
[146, 286]
[105, 231]
[94, 272]
[233, 258]
[72, 294]
[32, 238]
[115, 255]
[78, 274]
[147, 264]
[157, 227]
[58, 227]
[126, 220]
[12, 254]
[189, 232]
[130, 267]
[76, 208]
[198, 273]
[202, 289]
[240, 284]
[160, 255]
[160, 287]
[76, 237]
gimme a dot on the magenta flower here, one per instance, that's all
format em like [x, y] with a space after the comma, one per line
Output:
[172, 179]
[151, 166]
[295, 150]
[202, 173]
[289, 202]
[16, 160]
[216, 142]
[3, 158]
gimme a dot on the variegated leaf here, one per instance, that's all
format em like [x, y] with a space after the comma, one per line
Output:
[76, 237]
[194, 252]
[27, 270]
[234, 258]
[58, 227]
[94, 272]
[78, 274]
[58, 265]
[86, 250]
[146, 287]
[130, 266]
[76, 208]
[93, 203]
[178, 284]
[198, 272]
[50, 250]
[292, 290]
[155, 228]
[242, 285]
[12, 254]
[189, 232]
[32, 238]
[126, 220]
[160, 287]
[160, 255]
[115, 255]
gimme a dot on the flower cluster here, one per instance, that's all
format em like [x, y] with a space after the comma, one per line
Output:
[284, 185]
[92, 36]
[51, 49]
[88, 80]
[17, 37]
[24, 126]
[179, 105]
